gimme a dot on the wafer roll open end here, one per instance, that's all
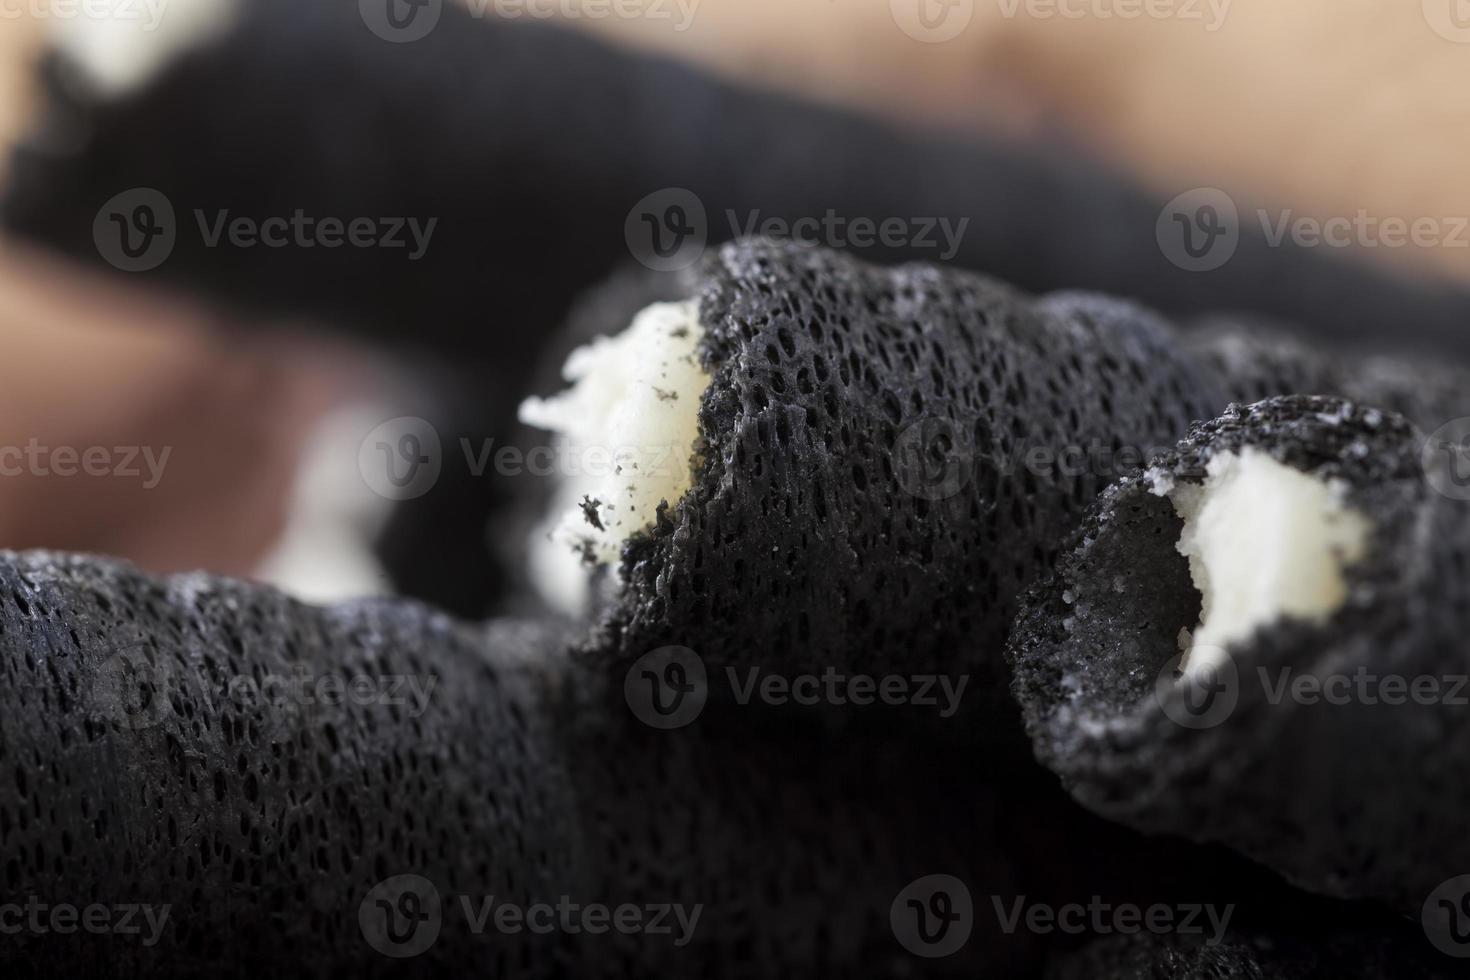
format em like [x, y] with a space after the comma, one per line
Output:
[1243, 644]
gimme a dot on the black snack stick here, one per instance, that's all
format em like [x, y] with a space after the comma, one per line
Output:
[529, 145]
[1314, 721]
[1360, 951]
[482, 150]
[502, 167]
[865, 433]
[289, 790]
[1257, 359]
[874, 462]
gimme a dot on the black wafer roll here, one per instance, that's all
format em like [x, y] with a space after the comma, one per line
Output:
[526, 142]
[1312, 575]
[1367, 951]
[822, 464]
[268, 772]
[521, 142]
[1257, 359]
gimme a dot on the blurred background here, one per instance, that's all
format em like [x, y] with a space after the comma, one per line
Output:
[1323, 108]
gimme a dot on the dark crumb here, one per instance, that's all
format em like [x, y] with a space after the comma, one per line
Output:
[587, 551]
[589, 507]
[665, 396]
[679, 332]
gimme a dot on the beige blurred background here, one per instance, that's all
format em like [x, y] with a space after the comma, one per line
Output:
[1327, 106]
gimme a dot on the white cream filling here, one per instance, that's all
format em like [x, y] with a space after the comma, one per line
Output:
[119, 45]
[626, 434]
[1265, 542]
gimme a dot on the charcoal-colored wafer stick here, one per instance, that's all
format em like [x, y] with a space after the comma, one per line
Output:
[529, 146]
[815, 464]
[1257, 359]
[253, 770]
[521, 142]
[1307, 555]
[1363, 951]
[1235, 358]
